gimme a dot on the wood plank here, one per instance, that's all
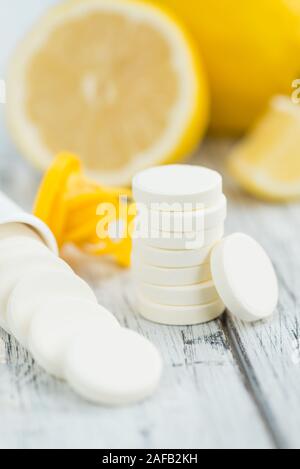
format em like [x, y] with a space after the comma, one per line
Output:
[270, 349]
[203, 402]
[269, 352]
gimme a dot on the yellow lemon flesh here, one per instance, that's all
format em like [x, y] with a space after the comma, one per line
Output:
[251, 49]
[267, 163]
[117, 82]
[73, 206]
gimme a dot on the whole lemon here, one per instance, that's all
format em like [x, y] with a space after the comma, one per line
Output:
[251, 49]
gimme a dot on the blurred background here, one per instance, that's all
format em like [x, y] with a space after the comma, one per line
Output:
[16, 19]
[143, 83]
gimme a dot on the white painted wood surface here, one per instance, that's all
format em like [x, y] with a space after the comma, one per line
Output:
[225, 384]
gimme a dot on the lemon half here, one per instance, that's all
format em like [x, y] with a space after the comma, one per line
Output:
[115, 81]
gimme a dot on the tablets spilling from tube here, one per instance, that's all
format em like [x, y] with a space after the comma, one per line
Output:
[185, 271]
[55, 315]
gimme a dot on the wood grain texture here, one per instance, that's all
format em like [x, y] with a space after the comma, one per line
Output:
[202, 401]
[225, 384]
[269, 351]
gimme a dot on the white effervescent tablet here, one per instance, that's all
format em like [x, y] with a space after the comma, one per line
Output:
[177, 185]
[19, 265]
[170, 277]
[19, 245]
[113, 369]
[189, 295]
[169, 257]
[183, 241]
[185, 221]
[245, 277]
[57, 322]
[8, 230]
[34, 290]
[179, 315]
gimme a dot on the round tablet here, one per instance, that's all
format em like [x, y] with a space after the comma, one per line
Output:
[58, 321]
[179, 315]
[21, 244]
[8, 230]
[18, 266]
[185, 221]
[30, 251]
[189, 295]
[181, 241]
[38, 287]
[178, 185]
[170, 257]
[170, 277]
[244, 277]
[116, 369]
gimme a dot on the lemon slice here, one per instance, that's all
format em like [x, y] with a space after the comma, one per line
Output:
[267, 163]
[117, 82]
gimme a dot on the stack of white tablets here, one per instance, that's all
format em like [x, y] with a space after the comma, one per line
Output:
[181, 215]
[55, 315]
[186, 272]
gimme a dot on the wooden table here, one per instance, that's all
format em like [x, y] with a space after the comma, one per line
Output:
[226, 384]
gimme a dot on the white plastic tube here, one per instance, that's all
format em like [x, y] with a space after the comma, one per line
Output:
[10, 212]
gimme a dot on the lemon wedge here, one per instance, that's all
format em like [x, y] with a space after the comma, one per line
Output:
[117, 82]
[267, 162]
